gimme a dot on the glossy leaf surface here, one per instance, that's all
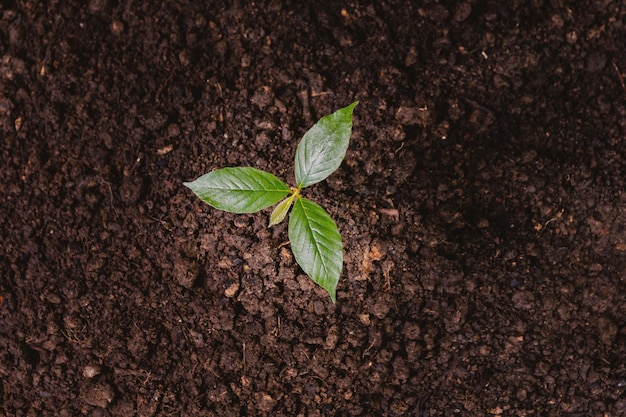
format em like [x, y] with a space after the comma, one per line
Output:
[316, 244]
[239, 190]
[323, 147]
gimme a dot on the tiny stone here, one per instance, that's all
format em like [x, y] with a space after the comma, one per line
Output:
[91, 371]
[365, 319]
[240, 222]
[117, 27]
[232, 290]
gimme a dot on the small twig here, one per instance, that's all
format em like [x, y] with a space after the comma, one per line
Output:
[162, 86]
[478, 105]
[391, 212]
[244, 358]
[276, 330]
[320, 93]
[619, 75]
[555, 218]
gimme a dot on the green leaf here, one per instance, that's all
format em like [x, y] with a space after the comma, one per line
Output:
[281, 210]
[239, 190]
[316, 244]
[323, 147]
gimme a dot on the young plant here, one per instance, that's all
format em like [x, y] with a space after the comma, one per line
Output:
[315, 239]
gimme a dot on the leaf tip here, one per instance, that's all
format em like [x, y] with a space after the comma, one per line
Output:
[274, 221]
[333, 295]
[350, 108]
[280, 211]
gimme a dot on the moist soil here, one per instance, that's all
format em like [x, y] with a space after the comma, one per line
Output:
[481, 203]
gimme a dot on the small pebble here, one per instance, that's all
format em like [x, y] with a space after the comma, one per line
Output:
[91, 371]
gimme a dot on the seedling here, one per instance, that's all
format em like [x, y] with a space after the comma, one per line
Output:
[315, 239]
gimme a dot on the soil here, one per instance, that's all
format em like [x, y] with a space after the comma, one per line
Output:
[481, 203]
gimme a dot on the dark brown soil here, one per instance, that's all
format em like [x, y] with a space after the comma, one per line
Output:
[482, 205]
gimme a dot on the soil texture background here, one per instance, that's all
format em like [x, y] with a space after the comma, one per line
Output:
[482, 205]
